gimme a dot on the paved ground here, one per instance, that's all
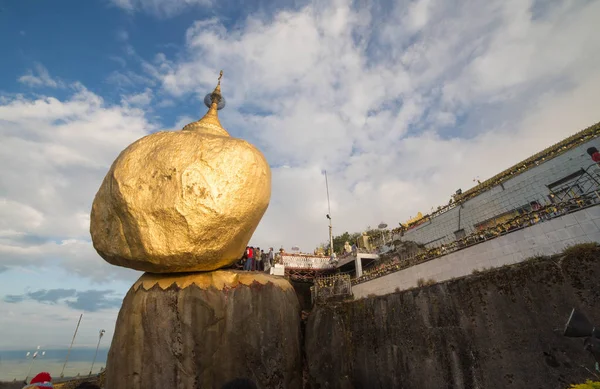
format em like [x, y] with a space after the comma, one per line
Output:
[11, 385]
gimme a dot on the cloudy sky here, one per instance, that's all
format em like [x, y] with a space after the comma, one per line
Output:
[402, 102]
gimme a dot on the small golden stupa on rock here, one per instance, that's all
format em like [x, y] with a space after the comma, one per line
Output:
[182, 201]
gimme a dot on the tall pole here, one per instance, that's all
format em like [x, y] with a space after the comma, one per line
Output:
[331, 256]
[62, 373]
[35, 354]
[97, 347]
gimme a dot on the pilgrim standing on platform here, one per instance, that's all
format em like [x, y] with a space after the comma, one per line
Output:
[258, 259]
[271, 256]
[251, 258]
[248, 255]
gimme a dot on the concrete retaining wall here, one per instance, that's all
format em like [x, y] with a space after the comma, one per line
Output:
[545, 238]
[500, 329]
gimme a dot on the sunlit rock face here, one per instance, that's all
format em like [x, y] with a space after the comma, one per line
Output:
[201, 330]
[181, 201]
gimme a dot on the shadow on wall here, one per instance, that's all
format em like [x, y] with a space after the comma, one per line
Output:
[498, 329]
[302, 290]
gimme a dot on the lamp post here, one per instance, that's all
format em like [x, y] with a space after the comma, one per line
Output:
[33, 357]
[101, 334]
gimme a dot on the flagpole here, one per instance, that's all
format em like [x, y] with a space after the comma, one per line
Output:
[62, 373]
[331, 255]
[97, 347]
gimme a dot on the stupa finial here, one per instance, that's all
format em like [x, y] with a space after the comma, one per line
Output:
[217, 92]
[210, 122]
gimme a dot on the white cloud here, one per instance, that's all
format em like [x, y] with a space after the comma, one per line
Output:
[142, 99]
[55, 155]
[122, 62]
[418, 14]
[18, 215]
[38, 77]
[23, 324]
[76, 256]
[402, 106]
[165, 8]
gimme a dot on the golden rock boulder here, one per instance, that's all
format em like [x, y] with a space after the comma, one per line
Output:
[181, 201]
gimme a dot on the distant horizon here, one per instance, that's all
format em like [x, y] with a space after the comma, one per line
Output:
[77, 354]
[51, 348]
[15, 364]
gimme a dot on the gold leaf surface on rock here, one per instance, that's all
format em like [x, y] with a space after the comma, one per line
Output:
[220, 279]
[181, 201]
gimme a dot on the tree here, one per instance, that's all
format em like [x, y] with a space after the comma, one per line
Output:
[340, 240]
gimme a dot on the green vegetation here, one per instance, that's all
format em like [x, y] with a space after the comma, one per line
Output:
[422, 282]
[340, 240]
[352, 238]
[587, 385]
[581, 249]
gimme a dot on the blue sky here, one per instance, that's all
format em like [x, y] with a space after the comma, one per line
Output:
[403, 102]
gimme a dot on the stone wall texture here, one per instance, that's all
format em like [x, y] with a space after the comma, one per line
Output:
[188, 338]
[499, 329]
[514, 193]
[546, 238]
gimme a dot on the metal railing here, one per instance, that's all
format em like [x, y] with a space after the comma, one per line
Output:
[561, 206]
[333, 287]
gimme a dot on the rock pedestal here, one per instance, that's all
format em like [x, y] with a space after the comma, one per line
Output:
[200, 330]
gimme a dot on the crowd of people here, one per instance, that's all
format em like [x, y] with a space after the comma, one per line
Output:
[255, 259]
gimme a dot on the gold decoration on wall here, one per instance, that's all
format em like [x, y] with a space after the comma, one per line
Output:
[221, 279]
[414, 219]
[181, 201]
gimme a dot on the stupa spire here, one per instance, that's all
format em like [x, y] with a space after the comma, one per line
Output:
[210, 121]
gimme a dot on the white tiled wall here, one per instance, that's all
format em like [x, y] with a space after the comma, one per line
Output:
[519, 191]
[545, 238]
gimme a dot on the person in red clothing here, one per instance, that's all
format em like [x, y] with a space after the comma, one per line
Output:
[253, 250]
[593, 152]
[42, 380]
[249, 258]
